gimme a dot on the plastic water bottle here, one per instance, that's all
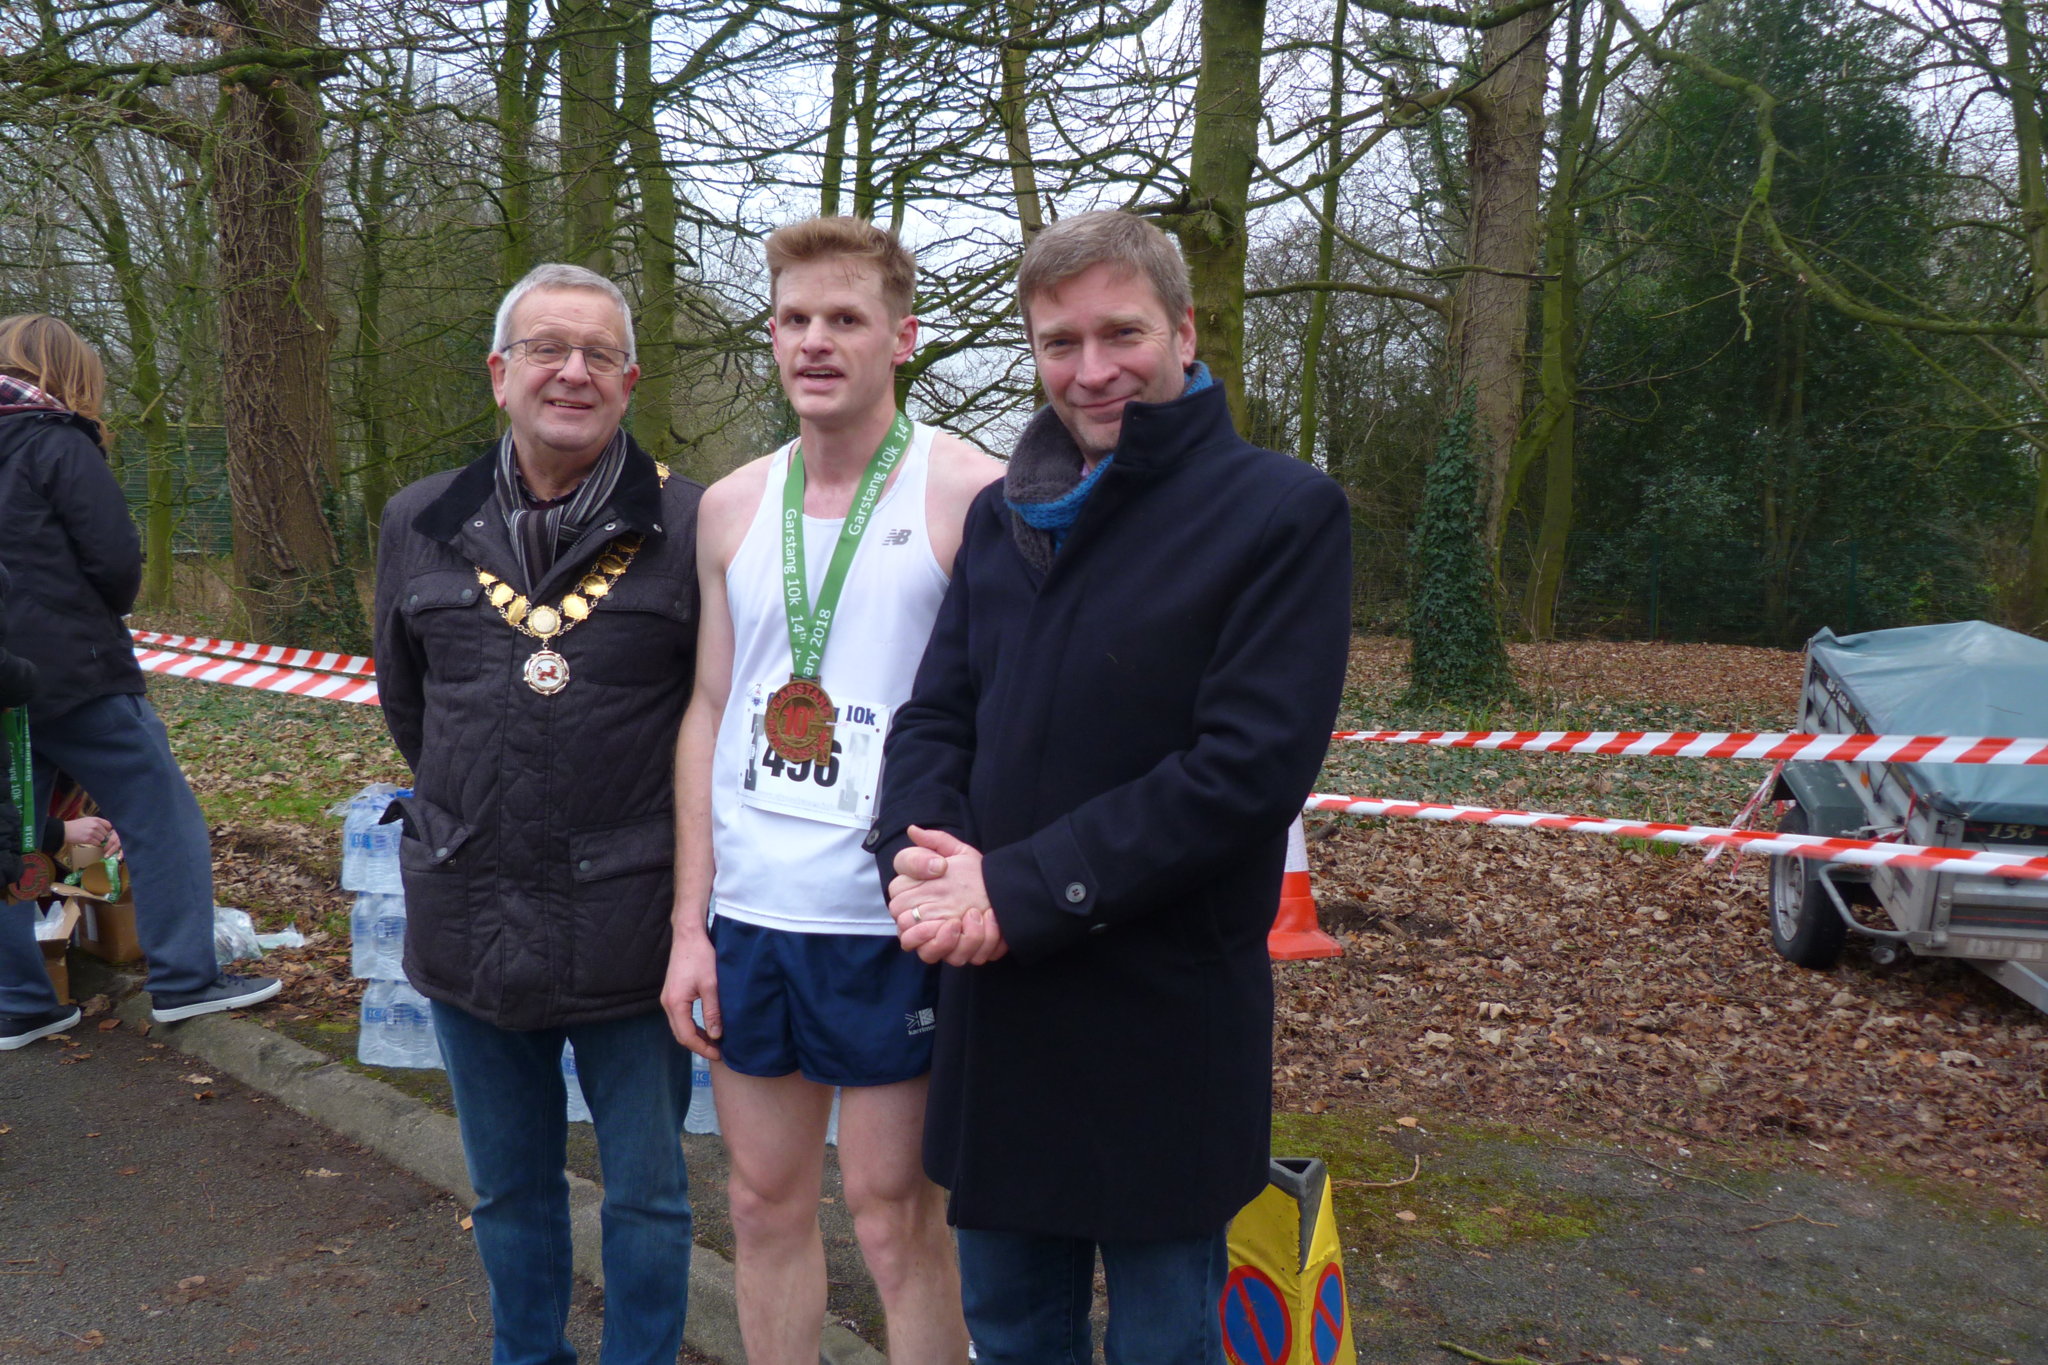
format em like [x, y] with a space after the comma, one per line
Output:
[703, 1114]
[369, 850]
[832, 1123]
[579, 1112]
[397, 1027]
[377, 932]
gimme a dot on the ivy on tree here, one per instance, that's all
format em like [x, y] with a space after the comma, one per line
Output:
[1455, 649]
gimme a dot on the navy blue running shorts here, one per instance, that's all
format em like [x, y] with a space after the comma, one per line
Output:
[842, 1009]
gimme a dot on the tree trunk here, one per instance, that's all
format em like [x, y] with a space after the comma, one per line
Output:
[654, 402]
[1013, 107]
[588, 45]
[866, 118]
[376, 478]
[1228, 105]
[145, 383]
[1326, 251]
[833, 173]
[275, 338]
[1490, 311]
[1551, 433]
[2023, 89]
[516, 116]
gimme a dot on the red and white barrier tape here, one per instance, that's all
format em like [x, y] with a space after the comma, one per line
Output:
[282, 655]
[1708, 744]
[1813, 847]
[262, 677]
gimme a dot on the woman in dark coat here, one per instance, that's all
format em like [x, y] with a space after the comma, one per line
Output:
[76, 566]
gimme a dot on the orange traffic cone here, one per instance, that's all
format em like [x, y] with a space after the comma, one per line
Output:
[1295, 934]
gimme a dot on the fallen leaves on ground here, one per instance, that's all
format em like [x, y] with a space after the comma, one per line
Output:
[1625, 991]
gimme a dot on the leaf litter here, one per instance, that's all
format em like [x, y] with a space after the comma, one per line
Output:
[1586, 986]
[1620, 990]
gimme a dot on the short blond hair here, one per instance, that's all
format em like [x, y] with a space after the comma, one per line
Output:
[853, 239]
[44, 351]
[1076, 245]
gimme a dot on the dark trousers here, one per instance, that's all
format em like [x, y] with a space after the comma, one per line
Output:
[1027, 1298]
[116, 748]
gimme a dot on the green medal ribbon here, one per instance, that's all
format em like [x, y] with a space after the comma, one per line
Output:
[808, 630]
[21, 775]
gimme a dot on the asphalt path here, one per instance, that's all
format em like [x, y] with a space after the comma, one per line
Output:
[156, 1210]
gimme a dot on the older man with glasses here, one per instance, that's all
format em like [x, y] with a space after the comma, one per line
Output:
[536, 638]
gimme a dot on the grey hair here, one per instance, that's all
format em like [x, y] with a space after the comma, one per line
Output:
[1107, 237]
[556, 275]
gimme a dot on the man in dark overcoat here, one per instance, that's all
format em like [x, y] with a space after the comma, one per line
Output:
[1126, 697]
[536, 632]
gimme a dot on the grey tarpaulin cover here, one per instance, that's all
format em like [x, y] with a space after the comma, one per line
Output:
[1965, 678]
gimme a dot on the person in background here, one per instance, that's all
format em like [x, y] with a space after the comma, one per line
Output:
[76, 566]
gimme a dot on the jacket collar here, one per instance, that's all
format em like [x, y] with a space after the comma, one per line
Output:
[636, 501]
[1155, 439]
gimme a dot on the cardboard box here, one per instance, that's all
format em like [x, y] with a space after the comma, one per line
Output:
[53, 935]
[107, 931]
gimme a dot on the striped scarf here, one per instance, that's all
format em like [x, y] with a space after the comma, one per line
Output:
[541, 533]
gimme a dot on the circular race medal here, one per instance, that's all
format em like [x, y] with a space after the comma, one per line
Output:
[37, 875]
[799, 721]
[546, 672]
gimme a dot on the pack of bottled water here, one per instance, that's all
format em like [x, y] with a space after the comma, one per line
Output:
[369, 849]
[397, 1027]
[376, 926]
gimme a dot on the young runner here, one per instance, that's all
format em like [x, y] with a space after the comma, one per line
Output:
[821, 566]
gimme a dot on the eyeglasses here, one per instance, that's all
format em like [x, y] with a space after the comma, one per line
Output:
[553, 355]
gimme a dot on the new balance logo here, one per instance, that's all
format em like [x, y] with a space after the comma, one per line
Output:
[899, 536]
[920, 1021]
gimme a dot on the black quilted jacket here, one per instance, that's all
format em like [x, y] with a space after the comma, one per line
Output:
[538, 848]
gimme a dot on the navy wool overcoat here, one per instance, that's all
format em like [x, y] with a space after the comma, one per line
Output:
[1127, 737]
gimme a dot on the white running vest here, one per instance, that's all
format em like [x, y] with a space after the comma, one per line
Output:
[786, 871]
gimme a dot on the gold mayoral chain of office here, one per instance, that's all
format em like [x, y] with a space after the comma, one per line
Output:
[546, 671]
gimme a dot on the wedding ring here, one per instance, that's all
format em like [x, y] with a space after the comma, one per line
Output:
[917, 917]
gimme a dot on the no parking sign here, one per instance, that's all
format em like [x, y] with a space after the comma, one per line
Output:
[1284, 1302]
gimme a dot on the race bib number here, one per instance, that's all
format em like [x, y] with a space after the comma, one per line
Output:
[841, 790]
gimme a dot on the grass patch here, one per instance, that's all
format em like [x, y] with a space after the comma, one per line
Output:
[1473, 1187]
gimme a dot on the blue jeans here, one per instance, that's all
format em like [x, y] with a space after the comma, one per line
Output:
[1027, 1298]
[116, 748]
[510, 1101]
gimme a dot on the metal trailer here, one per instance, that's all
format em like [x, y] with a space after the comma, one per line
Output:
[1967, 678]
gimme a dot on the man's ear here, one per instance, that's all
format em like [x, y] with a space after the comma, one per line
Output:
[1185, 338]
[495, 363]
[906, 340]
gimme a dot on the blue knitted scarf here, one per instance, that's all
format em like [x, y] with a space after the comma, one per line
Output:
[1057, 517]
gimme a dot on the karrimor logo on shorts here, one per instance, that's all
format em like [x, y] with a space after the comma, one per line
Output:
[919, 1021]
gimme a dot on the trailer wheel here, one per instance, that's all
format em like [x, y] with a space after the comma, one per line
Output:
[1804, 926]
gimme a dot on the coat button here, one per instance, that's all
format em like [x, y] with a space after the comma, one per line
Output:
[468, 595]
[613, 526]
[1076, 893]
[871, 838]
[413, 600]
[440, 853]
[583, 866]
[657, 526]
[478, 523]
